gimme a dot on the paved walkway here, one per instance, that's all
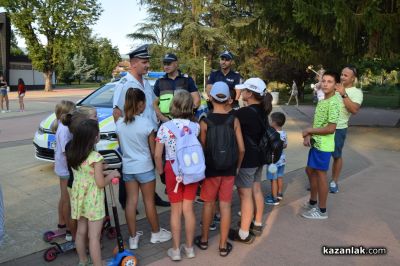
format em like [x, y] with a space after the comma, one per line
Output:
[363, 213]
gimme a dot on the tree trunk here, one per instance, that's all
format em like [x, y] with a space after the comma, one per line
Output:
[48, 79]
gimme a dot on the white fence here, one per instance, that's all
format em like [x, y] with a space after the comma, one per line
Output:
[30, 77]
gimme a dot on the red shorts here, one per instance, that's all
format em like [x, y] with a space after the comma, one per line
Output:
[187, 192]
[221, 186]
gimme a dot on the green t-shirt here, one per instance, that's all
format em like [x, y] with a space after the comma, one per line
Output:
[327, 111]
[356, 96]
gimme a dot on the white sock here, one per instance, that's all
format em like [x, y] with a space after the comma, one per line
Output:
[243, 234]
[257, 224]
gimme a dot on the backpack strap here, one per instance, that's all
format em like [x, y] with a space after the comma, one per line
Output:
[174, 129]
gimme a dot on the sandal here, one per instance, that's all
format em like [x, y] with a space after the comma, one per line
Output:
[223, 252]
[199, 244]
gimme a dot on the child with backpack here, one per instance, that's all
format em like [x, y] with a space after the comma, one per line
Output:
[87, 193]
[321, 140]
[221, 137]
[253, 119]
[278, 119]
[63, 136]
[136, 139]
[184, 168]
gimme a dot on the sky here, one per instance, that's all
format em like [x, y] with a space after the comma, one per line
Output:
[118, 19]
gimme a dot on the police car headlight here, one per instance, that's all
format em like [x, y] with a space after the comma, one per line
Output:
[111, 136]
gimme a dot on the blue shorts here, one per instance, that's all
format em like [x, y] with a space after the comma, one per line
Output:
[340, 137]
[319, 160]
[4, 92]
[140, 178]
[279, 173]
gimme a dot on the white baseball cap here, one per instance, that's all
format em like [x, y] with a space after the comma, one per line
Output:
[253, 84]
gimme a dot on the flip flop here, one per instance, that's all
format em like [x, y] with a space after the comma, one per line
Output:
[199, 244]
[223, 252]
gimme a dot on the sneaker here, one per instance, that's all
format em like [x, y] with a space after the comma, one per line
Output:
[174, 254]
[162, 236]
[189, 252]
[280, 196]
[217, 219]
[333, 187]
[68, 236]
[315, 213]
[234, 236]
[255, 229]
[8, 111]
[199, 201]
[3, 111]
[239, 213]
[213, 226]
[134, 241]
[307, 206]
[271, 201]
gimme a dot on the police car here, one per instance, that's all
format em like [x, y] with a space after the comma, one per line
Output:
[102, 99]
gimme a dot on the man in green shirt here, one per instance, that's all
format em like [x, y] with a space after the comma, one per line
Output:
[352, 99]
[321, 139]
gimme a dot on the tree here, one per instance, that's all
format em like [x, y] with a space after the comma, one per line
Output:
[108, 57]
[48, 25]
[82, 70]
[15, 50]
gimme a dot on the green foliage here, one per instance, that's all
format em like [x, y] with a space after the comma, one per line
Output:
[48, 25]
[15, 50]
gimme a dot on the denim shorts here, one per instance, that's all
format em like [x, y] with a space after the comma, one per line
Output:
[140, 178]
[3, 92]
[319, 160]
[64, 177]
[279, 173]
[340, 137]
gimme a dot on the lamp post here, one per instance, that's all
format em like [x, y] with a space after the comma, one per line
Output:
[204, 74]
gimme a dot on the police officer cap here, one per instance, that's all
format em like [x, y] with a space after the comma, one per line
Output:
[226, 54]
[168, 58]
[141, 52]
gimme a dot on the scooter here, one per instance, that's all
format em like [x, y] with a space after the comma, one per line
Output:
[48, 236]
[51, 253]
[122, 257]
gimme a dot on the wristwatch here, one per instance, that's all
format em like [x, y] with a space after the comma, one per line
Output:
[345, 95]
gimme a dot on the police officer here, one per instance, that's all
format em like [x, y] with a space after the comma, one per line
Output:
[225, 74]
[139, 66]
[173, 80]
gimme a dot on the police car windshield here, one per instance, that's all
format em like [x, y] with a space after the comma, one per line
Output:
[102, 97]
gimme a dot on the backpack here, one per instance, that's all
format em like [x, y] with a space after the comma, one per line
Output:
[221, 149]
[189, 165]
[271, 145]
[165, 103]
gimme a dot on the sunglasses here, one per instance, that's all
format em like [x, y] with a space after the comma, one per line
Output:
[353, 69]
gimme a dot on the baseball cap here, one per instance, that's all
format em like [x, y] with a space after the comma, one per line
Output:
[253, 84]
[220, 88]
[226, 54]
[168, 58]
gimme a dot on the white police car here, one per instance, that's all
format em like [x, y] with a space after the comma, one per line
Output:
[102, 100]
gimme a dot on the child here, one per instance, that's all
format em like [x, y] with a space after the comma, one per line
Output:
[219, 180]
[87, 194]
[136, 138]
[182, 201]
[277, 121]
[63, 136]
[4, 94]
[248, 180]
[321, 139]
[21, 94]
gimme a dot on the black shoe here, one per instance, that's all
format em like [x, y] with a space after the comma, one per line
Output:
[234, 236]
[255, 229]
[159, 202]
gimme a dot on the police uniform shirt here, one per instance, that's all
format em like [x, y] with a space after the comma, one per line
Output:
[130, 82]
[168, 85]
[232, 78]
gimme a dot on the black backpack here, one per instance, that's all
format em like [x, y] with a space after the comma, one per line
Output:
[271, 145]
[221, 147]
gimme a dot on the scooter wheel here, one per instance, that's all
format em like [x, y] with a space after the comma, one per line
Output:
[111, 233]
[129, 261]
[50, 254]
[48, 236]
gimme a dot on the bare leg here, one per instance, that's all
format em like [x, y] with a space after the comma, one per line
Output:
[80, 241]
[297, 100]
[148, 190]
[190, 222]
[7, 102]
[258, 202]
[61, 219]
[336, 168]
[246, 208]
[280, 184]
[206, 218]
[225, 209]
[274, 188]
[176, 215]
[94, 241]
[132, 194]
[290, 98]
[322, 188]
[313, 177]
